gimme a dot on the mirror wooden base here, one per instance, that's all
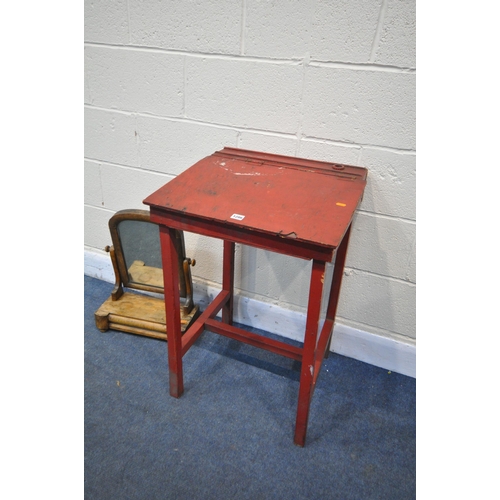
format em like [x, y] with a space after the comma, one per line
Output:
[139, 314]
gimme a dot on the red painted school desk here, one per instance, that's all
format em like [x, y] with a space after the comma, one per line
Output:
[292, 206]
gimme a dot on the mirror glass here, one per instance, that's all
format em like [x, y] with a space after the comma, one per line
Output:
[140, 243]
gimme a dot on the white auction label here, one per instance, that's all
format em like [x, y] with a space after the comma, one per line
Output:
[237, 216]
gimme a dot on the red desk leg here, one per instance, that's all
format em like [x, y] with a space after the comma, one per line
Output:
[309, 351]
[228, 281]
[311, 360]
[172, 307]
[338, 272]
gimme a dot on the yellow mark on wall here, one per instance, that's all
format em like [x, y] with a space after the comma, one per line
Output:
[340, 204]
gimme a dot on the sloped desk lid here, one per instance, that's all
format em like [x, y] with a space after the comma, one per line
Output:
[306, 200]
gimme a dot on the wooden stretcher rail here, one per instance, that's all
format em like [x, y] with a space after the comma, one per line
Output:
[196, 329]
[241, 335]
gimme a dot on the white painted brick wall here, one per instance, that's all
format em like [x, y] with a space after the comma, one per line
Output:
[171, 146]
[333, 31]
[247, 94]
[106, 21]
[167, 83]
[211, 26]
[391, 183]
[135, 80]
[111, 136]
[397, 45]
[384, 303]
[360, 106]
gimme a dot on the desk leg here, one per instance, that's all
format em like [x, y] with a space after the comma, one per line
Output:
[338, 272]
[170, 259]
[309, 351]
[228, 281]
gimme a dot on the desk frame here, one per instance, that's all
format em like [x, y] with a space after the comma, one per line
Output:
[316, 343]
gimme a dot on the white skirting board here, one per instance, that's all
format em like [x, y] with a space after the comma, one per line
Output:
[390, 354]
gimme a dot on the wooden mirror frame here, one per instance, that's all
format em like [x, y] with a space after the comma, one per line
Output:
[122, 275]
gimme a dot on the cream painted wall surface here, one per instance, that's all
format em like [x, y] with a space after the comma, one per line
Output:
[168, 83]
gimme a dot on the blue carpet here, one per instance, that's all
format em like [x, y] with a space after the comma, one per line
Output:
[230, 436]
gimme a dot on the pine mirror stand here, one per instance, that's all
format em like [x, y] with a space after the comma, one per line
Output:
[136, 304]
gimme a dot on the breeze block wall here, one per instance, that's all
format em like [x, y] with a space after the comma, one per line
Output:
[170, 82]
